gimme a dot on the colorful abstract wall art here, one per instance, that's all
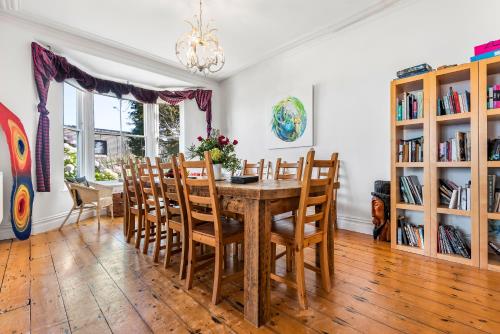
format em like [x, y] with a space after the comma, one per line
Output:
[291, 119]
[22, 194]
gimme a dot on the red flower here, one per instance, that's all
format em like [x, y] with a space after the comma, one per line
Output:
[235, 142]
[200, 138]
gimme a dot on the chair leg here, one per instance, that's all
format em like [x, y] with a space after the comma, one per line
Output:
[184, 255]
[131, 225]
[191, 264]
[79, 215]
[301, 282]
[216, 291]
[289, 259]
[140, 226]
[156, 253]
[98, 212]
[168, 248]
[112, 213]
[325, 270]
[147, 236]
[273, 258]
[67, 217]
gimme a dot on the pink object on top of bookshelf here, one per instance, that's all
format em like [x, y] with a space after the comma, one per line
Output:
[486, 47]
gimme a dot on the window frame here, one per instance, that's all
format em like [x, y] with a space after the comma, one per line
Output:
[86, 131]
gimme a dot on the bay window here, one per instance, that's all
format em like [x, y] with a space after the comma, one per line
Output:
[104, 130]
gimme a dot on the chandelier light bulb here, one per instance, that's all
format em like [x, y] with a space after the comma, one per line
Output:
[199, 50]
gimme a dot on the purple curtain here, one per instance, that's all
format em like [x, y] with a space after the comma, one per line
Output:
[48, 66]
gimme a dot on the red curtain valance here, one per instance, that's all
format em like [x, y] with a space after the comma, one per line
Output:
[48, 66]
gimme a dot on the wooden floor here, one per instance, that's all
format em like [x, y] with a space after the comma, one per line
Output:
[82, 280]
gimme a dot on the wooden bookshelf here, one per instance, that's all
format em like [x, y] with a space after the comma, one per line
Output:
[488, 119]
[399, 131]
[464, 77]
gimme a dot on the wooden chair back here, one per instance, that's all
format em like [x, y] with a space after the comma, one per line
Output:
[148, 175]
[316, 192]
[254, 169]
[205, 195]
[171, 188]
[269, 170]
[283, 170]
[132, 188]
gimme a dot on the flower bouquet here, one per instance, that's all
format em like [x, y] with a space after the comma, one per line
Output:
[221, 151]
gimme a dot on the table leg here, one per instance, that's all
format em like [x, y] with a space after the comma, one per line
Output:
[125, 211]
[257, 262]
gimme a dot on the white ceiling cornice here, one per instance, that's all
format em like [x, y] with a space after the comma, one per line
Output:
[307, 38]
[101, 47]
[9, 4]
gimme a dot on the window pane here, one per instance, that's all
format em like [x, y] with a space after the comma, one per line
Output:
[71, 169]
[133, 117]
[70, 106]
[169, 119]
[107, 156]
[134, 147]
[106, 112]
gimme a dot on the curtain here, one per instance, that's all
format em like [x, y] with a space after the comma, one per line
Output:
[48, 66]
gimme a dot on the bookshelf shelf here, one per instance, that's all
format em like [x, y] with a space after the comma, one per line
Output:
[493, 164]
[455, 258]
[454, 83]
[410, 249]
[411, 123]
[493, 114]
[453, 164]
[462, 118]
[447, 211]
[493, 215]
[489, 73]
[412, 207]
[410, 164]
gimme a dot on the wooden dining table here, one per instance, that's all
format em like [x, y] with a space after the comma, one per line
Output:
[258, 202]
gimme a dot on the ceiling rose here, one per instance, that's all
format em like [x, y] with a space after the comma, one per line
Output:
[199, 50]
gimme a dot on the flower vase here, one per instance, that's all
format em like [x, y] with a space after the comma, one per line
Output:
[218, 172]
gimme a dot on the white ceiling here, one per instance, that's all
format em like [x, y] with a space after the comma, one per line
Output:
[249, 30]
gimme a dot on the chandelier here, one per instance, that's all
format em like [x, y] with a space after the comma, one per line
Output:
[199, 50]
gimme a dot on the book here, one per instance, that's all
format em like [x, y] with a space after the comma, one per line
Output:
[457, 148]
[453, 103]
[452, 241]
[411, 150]
[454, 196]
[411, 190]
[409, 234]
[494, 247]
[409, 106]
[494, 149]
[487, 47]
[493, 97]
[491, 192]
[485, 55]
[414, 70]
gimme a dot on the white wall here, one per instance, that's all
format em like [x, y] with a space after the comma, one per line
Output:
[351, 71]
[18, 93]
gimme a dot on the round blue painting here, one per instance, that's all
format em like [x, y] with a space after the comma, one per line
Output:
[289, 119]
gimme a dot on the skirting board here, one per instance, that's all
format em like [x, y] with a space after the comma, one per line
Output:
[46, 224]
[356, 224]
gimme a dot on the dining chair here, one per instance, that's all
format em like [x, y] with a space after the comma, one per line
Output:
[333, 206]
[154, 215]
[175, 210]
[254, 169]
[288, 171]
[207, 227]
[91, 196]
[283, 170]
[269, 170]
[135, 207]
[298, 232]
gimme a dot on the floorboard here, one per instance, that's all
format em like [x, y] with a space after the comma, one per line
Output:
[85, 280]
